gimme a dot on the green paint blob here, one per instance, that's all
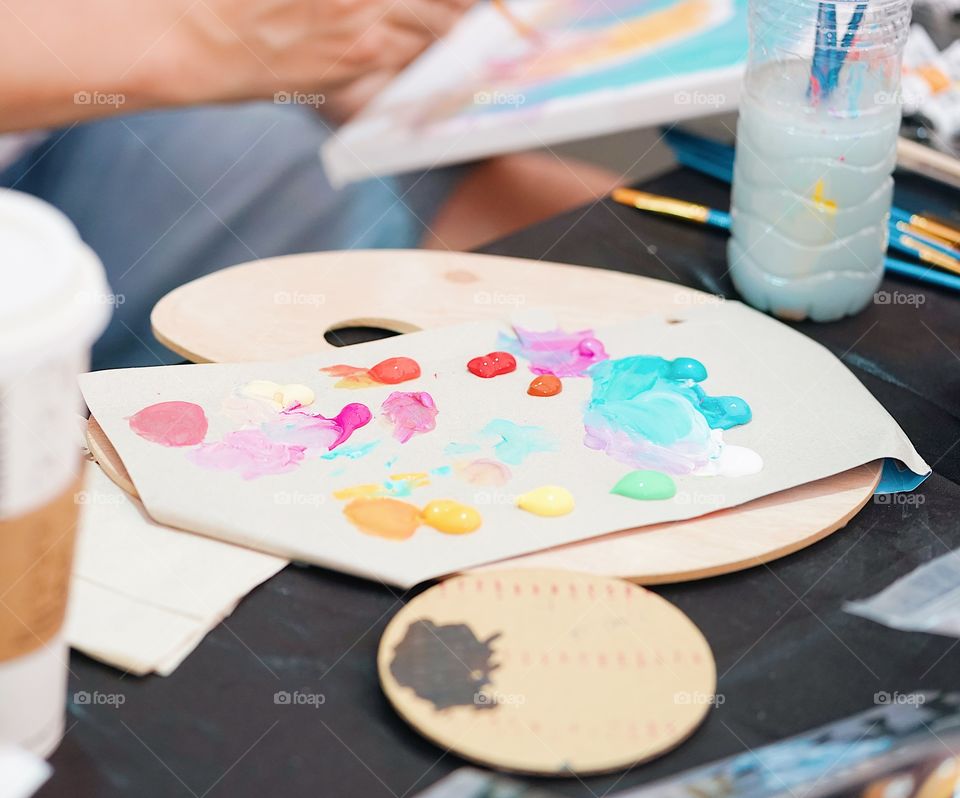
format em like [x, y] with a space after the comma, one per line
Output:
[646, 486]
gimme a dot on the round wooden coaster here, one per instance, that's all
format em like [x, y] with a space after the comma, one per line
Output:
[547, 672]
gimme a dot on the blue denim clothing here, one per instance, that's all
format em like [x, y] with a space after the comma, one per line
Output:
[168, 196]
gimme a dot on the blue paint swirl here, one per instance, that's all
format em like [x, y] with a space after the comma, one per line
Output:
[651, 413]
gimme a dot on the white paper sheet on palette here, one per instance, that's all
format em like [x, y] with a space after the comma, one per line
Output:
[811, 418]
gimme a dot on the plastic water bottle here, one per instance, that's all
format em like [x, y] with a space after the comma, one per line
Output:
[816, 145]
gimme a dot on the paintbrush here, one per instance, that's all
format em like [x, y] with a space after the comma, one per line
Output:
[937, 244]
[929, 227]
[655, 203]
[715, 158]
[922, 251]
[691, 211]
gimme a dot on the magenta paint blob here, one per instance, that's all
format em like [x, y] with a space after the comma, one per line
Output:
[410, 412]
[171, 424]
[313, 431]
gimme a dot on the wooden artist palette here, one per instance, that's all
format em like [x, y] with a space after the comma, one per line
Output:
[282, 307]
[547, 672]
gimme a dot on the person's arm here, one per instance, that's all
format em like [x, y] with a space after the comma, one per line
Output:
[64, 61]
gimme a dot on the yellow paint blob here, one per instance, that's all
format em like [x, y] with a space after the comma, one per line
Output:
[384, 518]
[396, 485]
[368, 491]
[549, 500]
[281, 395]
[451, 517]
[413, 479]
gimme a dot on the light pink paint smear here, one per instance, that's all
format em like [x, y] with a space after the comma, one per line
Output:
[410, 412]
[248, 451]
[563, 354]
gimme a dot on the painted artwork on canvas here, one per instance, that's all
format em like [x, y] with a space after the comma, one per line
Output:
[547, 71]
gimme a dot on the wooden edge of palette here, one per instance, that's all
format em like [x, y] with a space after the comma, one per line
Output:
[107, 458]
[439, 289]
[603, 555]
[773, 554]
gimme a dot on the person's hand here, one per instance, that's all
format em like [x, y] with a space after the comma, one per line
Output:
[344, 50]
[163, 53]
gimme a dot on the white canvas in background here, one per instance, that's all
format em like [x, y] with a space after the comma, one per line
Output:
[587, 69]
[811, 419]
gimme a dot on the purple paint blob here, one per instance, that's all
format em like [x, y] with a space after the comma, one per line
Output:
[313, 431]
[556, 352]
[411, 412]
[171, 424]
[248, 451]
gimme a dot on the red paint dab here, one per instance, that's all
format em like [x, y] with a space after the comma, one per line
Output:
[395, 369]
[545, 385]
[492, 365]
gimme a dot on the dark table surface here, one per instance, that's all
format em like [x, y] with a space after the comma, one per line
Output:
[788, 657]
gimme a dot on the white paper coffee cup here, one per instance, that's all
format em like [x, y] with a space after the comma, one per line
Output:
[54, 303]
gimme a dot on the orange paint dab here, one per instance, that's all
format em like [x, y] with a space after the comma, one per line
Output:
[384, 518]
[545, 385]
[391, 371]
[394, 370]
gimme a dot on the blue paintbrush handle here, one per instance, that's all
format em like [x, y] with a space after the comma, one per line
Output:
[715, 158]
[925, 274]
[718, 218]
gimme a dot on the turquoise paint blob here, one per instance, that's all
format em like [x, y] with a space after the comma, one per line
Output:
[652, 413]
[352, 452]
[645, 486]
[399, 488]
[441, 471]
[518, 442]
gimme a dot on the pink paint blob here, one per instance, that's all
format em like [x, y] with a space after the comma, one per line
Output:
[314, 431]
[559, 353]
[171, 423]
[411, 412]
[248, 451]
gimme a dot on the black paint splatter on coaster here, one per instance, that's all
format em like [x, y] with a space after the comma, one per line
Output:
[446, 665]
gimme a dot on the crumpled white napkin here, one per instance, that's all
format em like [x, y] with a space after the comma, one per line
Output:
[21, 773]
[143, 596]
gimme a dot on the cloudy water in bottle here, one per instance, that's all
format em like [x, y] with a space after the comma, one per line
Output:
[816, 146]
